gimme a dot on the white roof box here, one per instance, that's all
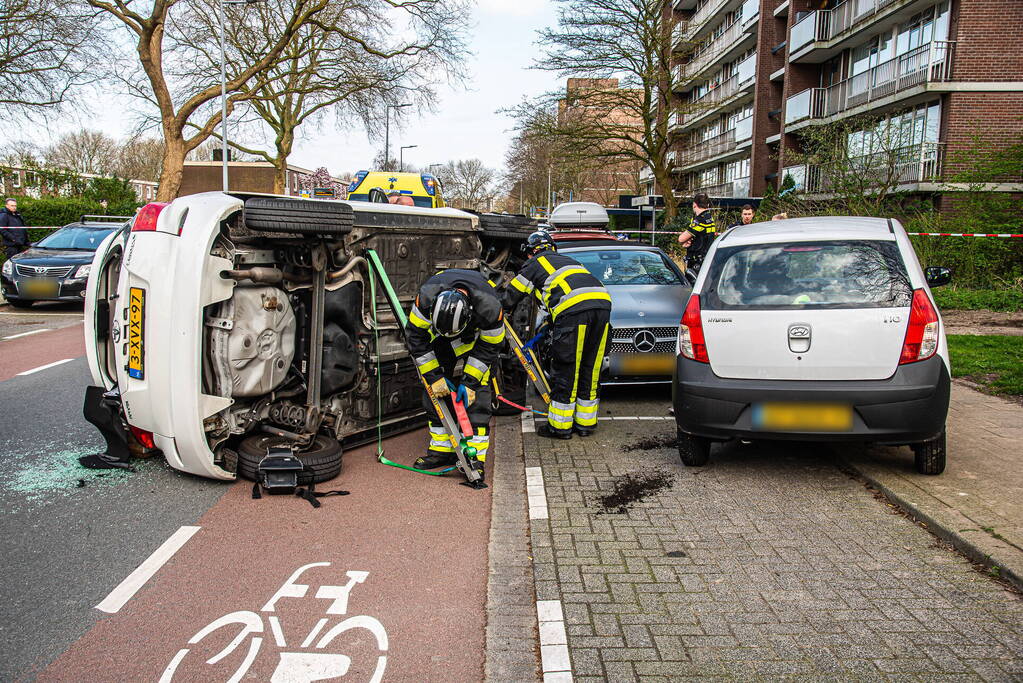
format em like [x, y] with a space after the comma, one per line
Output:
[578, 214]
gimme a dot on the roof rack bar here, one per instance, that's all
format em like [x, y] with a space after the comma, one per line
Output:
[105, 217]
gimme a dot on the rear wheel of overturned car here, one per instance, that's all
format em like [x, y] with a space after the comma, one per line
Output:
[930, 455]
[694, 451]
[299, 216]
[322, 459]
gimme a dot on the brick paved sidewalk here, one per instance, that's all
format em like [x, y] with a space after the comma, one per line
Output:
[769, 561]
[977, 504]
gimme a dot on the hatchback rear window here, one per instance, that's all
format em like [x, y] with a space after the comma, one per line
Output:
[846, 274]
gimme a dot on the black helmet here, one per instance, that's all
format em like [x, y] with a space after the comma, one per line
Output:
[451, 313]
[538, 241]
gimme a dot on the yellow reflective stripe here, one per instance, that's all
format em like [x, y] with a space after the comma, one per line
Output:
[494, 336]
[429, 365]
[419, 322]
[542, 260]
[464, 348]
[561, 412]
[442, 449]
[558, 424]
[560, 280]
[598, 362]
[578, 298]
[580, 340]
[522, 284]
[474, 372]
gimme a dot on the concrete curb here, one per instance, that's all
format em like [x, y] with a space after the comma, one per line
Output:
[948, 524]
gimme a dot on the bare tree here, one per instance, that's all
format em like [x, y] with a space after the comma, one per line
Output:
[855, 165]
[358, 56]
[628, 40]
[138, 158]
[468, 184]
[186, 107]
[83, 151]
[47, 51]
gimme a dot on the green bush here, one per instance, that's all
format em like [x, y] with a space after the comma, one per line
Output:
[59, 211]
[957, 298]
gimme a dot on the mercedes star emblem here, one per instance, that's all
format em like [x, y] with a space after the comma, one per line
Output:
[644, 341]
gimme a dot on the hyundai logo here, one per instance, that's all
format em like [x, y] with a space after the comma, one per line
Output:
[644, 341]
[799, 331]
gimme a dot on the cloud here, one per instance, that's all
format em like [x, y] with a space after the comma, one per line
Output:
[522, 8]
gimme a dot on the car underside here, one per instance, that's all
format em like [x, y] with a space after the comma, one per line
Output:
[301, 350]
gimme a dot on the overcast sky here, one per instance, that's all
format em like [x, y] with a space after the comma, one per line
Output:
[465, 124]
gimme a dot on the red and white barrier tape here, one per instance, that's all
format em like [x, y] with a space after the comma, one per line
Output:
[965, 234]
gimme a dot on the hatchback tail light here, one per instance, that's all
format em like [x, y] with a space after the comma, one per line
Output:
[145, 221]
[690, 334]
[143, 436]
[922, 331]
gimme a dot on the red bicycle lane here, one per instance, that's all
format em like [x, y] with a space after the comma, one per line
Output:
[388, 583]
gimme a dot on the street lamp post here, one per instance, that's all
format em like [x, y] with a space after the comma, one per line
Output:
[401, 156]
[387, 129]
[223, 82]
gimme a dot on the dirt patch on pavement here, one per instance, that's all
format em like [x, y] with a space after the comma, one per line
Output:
[983, 322]
[631, 488]
[650, 443]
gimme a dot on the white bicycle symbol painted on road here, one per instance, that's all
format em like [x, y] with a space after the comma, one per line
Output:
[294, 667]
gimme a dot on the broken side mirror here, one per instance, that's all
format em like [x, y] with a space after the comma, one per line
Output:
[937, 276]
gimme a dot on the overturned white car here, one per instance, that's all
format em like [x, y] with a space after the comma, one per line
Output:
[222, 324]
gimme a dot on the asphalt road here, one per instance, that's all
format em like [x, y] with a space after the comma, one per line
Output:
[69, 534]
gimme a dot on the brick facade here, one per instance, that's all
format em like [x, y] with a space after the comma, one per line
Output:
[972, 74]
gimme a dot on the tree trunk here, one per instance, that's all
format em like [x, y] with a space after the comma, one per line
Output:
[173, 167]
[280, 175]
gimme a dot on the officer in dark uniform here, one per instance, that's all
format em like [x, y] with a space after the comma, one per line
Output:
[698, 236]
[454, 332]
[580, 312]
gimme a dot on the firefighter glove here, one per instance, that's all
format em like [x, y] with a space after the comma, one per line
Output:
[441, 388]
[465, 395]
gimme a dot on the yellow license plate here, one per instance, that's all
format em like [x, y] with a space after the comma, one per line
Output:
[803, 417]
[136, 332]
[644, 364]
[39, 287]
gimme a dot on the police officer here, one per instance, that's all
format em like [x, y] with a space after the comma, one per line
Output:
[454, 332]
[701, 232]
[580, 311]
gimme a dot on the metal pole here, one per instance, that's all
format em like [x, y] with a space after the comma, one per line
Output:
[223, 94]
[549, 168]
[653, 225]
[387, 135]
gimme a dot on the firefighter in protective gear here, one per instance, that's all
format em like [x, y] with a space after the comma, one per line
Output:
[580, 312]
[455, 332]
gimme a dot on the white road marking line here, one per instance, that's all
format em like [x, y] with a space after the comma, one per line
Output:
[44, 367]
[527, 421]
[535, 494]
[275, 628]
[636, 417]
[554, 657]
[25, 334]
[145, 571]
[37, 314]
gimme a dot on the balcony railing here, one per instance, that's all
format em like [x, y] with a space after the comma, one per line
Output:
[740, 187]
[750, 13]
[926, 64]
[824, 25]
[706, 149]
[913, 164]
[719, 190]
[713, 51]
[743, 129]
[710, 99]
[701, 16]
[746, 70]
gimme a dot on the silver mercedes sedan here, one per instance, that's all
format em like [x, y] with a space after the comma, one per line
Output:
[648, 293]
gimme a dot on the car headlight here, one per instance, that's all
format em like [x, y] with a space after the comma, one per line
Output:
[8, 267]
[83, 271]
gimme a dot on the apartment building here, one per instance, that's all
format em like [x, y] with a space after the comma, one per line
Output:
[752, 74]
[584, 99]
